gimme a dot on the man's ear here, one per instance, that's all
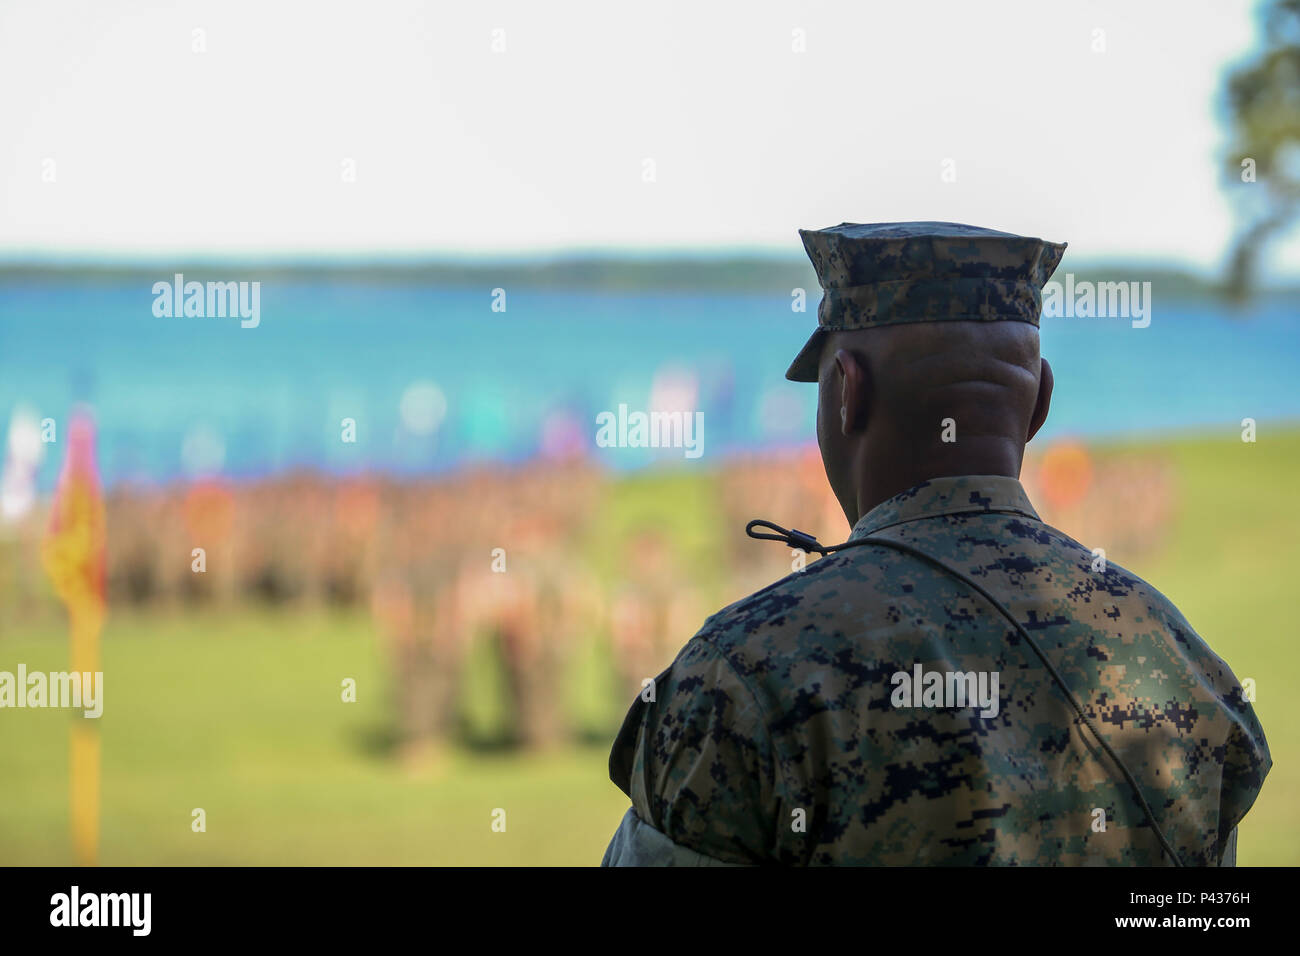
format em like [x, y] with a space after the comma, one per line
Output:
[1042, 403]
[853, 398]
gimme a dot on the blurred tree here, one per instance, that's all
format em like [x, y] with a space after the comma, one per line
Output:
[1264, 106]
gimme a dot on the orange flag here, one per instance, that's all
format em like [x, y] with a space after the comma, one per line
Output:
[73, 553]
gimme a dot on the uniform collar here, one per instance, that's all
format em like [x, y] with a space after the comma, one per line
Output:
[970, 494]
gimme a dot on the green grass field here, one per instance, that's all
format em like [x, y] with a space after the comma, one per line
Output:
[240, 714]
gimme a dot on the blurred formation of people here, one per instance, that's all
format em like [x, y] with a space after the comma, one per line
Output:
[656, 608]
[523, 565]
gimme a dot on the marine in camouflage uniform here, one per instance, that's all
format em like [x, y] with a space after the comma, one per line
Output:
[776, 735]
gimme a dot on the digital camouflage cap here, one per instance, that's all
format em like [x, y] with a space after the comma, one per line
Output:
[891, 273]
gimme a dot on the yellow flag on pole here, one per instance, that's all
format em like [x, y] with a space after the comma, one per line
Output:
[73, 553]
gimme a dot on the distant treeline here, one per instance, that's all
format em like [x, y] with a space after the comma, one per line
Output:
[704, 272]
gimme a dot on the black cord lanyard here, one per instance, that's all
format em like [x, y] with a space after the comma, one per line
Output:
[806, 542]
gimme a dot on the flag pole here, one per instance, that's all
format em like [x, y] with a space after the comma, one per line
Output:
[83, 746]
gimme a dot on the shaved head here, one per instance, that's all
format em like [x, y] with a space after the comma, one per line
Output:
[900, 404]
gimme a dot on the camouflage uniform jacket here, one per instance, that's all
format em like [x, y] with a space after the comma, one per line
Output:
[776, 735]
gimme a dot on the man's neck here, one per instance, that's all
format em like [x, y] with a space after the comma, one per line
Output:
[876, 486]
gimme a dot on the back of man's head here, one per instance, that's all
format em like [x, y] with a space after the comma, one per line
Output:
[900, 404]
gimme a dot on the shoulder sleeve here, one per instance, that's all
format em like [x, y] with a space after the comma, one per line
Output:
[1241, 751]
[695, 757]
[1246, 762]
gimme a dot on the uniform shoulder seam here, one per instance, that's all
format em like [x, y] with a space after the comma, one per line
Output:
[721, 654]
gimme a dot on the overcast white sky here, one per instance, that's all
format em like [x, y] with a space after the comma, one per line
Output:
[158, 149]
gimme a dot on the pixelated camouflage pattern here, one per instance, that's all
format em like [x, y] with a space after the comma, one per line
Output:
[892, 273]
[782, 703]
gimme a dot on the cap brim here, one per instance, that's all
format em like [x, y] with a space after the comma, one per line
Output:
[807, 363]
